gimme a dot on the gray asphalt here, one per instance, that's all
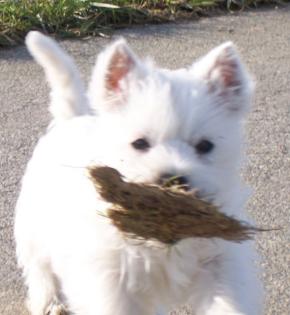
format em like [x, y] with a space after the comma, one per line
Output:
[263, 38]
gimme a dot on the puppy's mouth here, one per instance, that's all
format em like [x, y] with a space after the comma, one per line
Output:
[175, 182]
[180, 183]
[183, 184]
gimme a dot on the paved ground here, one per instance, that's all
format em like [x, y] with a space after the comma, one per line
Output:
[264, 40]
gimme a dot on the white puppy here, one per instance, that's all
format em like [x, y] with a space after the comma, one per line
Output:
[148, 123]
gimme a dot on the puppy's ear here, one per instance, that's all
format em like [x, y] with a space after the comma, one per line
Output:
[116, 70]
[225, 77]
[68, 98]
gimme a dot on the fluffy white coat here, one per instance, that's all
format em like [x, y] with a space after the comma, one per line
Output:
[70, 254]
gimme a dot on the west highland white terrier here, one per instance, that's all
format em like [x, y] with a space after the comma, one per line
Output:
[148, 123]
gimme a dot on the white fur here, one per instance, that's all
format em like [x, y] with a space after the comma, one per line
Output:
[69, 253]
[67, 90]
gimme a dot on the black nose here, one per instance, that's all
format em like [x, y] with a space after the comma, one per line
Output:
[169, 180]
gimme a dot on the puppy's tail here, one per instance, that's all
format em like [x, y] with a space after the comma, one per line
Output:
[68, 98]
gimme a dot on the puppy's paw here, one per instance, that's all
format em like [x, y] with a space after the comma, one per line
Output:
[56, 309]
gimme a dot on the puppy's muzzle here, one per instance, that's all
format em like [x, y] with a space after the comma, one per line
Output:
[172, 180]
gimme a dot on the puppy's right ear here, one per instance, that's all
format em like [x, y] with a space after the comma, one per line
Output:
[116, 70]
[68, 98]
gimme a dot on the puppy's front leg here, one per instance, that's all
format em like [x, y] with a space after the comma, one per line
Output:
[235, 288]
[222, 302]
[118, 302]
[220, 305]
[98, 290]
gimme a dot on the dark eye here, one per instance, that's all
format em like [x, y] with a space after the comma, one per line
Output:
[204, 146]
[141, 144]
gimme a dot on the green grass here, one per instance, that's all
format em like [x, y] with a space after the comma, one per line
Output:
[78, 18]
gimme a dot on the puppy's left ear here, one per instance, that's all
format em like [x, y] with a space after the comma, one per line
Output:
[226, 78]
[117, 69]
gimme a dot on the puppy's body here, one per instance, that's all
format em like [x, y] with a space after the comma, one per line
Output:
[150, 123]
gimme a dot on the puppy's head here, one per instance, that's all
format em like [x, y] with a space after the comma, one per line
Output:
[159, 123]
[155, 124]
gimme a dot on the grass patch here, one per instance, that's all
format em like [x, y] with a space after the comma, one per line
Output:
[79, 18]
